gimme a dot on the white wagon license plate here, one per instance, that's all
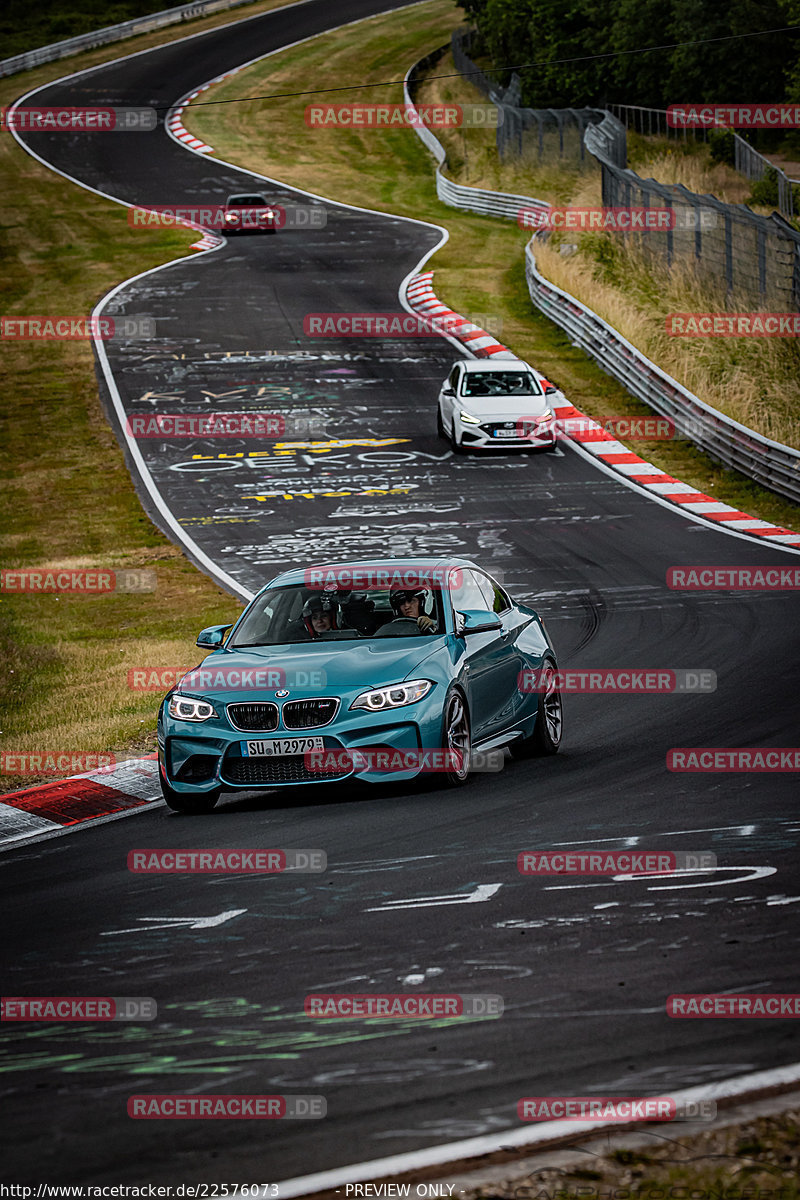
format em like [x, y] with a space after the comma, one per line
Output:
[266, 748]
[505, 433]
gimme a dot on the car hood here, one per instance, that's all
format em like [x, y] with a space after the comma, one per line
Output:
[309, 668]
[504, 406]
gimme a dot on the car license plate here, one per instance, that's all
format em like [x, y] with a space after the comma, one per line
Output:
[267, 747]
[505, 433]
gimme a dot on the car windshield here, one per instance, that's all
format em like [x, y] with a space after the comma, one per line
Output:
[247, 202]
[499, 383]
[284, 615]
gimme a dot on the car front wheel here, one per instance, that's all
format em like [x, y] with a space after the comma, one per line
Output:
[546, 736]
[439, 422]
[457, 740]
[455, 445]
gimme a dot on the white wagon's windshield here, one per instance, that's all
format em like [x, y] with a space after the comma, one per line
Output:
[297, 613]
[499, 383]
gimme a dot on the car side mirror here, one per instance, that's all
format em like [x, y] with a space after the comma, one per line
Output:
[478, 620]
[212, 637]
[550, 389]
[448, 391]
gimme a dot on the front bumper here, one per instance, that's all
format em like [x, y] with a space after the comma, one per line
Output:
[509, 433]
[200, 759]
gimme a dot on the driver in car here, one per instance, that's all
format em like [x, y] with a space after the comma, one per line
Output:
[408, 604]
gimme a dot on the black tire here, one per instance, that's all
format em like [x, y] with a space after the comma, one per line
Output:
[457, 737]
[547, 732]
[199, 802]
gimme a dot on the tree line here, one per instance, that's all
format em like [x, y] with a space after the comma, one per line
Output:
[603, 40]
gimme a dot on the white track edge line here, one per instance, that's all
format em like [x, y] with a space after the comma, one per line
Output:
[478, 1147]
[183, 538]
[676, 509]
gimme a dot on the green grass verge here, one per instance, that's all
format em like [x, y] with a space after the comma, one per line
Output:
[481, 268]
[68, 500]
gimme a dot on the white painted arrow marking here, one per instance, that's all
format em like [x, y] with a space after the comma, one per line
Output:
[179, 922]
[484, 891]
[749, 873]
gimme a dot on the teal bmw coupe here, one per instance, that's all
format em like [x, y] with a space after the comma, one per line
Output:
[377, 670]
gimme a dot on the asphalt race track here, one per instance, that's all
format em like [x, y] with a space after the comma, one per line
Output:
[584, 966]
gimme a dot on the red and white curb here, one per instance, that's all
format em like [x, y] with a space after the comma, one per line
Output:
[595, 439]
[174, 119]
[422, 299]
[58, 807]
[175, 127]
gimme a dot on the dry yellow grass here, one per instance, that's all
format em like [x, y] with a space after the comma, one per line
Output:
[754, 380]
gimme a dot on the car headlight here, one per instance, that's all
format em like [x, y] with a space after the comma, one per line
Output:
[231, 216]
[468, 419]
[190, 708]
[393, 697]
[547, 415]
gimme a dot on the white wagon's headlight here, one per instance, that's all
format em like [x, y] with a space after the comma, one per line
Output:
[393, 697]
[468, 419]
[190, 708]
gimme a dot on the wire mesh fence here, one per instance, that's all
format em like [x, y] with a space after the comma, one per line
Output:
[734, 252]
[747, 160]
